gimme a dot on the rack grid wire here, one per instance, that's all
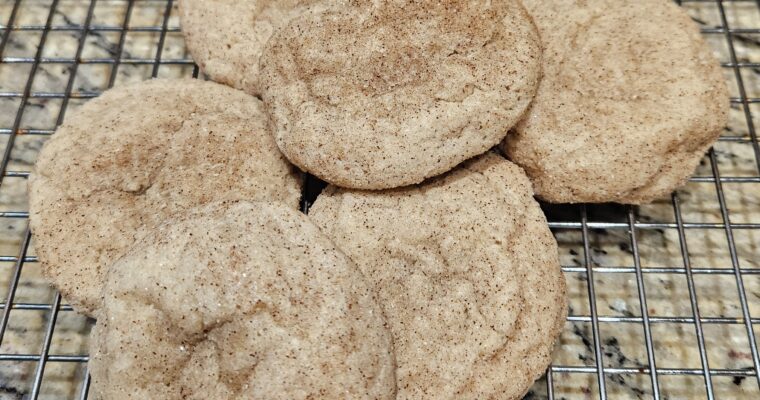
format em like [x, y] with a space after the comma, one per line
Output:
[662, 296]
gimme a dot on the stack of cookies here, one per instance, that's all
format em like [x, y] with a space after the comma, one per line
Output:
[168, 209]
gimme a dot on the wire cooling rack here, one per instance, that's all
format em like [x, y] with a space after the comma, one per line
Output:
[661, 296]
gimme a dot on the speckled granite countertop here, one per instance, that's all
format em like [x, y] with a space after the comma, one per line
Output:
[622, 336]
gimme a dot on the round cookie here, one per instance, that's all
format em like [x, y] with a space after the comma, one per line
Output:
[630, 101]
[137, 155]
[251, 301]
[226, 37]
[467, 273]
[384, 94]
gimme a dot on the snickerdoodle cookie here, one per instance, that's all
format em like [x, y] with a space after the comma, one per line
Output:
[630, 101]
[240, 301]
[467, 273]
[135, 156]
[383, 94]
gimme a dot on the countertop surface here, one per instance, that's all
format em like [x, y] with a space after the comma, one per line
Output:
[622, 336]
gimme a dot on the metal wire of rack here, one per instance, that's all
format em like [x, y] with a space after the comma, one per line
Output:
[662, 297]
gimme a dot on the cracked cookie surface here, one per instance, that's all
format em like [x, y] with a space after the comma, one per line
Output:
[250, 301]
[137, 155]
[376, 95]
[467, 273]
[630, 101]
